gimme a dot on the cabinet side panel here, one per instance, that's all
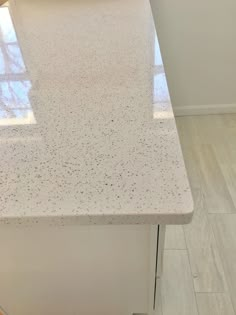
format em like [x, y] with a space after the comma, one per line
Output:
[89, 270]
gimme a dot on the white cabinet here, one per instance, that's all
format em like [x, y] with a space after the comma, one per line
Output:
[79, 270]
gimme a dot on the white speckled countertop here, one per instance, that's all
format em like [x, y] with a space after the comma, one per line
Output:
[87, 132]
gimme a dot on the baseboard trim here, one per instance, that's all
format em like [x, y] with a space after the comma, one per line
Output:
[205, 110]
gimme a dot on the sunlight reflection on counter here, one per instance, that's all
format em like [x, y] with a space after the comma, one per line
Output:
[15, 108]
[161, 97]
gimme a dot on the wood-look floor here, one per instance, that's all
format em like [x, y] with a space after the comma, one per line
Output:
[200, 259]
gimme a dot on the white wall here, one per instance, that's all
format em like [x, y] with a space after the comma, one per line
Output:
[198, 44]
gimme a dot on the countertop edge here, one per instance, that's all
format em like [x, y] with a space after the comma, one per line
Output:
[122, 219]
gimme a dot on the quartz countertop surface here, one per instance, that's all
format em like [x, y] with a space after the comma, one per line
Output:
[87, 131]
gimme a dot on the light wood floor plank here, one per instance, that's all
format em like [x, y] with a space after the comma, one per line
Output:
[209, 129]
[229, 173]
[224, 227]
[193, 169]
[229, 127]
[178, 297]
[192, 136]
[214, 304]
[210, 155]
[206, 265]
[174, 238]
[205, 129]
[225, 152]
[217, 196]
[202, 165]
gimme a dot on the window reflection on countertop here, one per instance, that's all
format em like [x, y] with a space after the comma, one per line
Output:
[15, 108]
[161, 97]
